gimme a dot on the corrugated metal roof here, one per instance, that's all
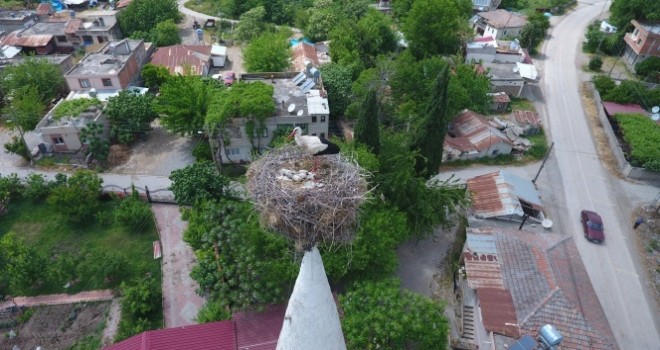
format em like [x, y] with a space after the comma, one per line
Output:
[72, 25]
[486, 199]
[43, 9]
[482, 244]
[527, 118]
[477, 130]
[460, 143]
[17, 39]
[210, 336]
[499, 194]
[522, 188]
[259, 331]
[301, 52]
[612, 108]
[176, 56]
[498, 312]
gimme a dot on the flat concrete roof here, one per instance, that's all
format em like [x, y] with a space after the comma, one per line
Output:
[103, 62]
[45, 28]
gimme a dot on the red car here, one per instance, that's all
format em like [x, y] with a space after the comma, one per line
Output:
[229, 78]
[592, 225]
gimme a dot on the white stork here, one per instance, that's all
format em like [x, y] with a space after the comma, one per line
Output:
[314, 146]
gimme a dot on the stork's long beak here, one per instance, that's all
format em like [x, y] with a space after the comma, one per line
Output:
[291, 135]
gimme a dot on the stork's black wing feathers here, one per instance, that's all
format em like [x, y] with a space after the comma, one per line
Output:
[331, 149]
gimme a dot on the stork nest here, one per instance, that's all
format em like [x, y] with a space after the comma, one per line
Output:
[308, 211]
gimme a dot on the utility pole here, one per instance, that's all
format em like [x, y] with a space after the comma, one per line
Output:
[218, 165]
[547, 154]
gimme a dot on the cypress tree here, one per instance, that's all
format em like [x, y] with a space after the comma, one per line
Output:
[428, 140]
[367, 126]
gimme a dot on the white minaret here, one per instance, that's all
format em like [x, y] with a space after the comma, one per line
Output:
[311, 321]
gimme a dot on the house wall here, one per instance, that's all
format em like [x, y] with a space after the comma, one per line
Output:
[510, 87]
[69, 133]
[498, 148]
[508, 57]
[502, 32]
[485, 54]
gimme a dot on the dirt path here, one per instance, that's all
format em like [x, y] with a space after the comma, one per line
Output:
[111, 323]
[58, 299]
[180, 301]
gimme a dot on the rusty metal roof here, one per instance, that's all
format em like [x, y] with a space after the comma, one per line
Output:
[477, 130]
[17, 39]
[486, 199]
[43, 9]
[175, 57]
[498, 312]
[499, 194]
[527, 118]
[460, 143]
[482, 270]
[72, 25]
[301, 52]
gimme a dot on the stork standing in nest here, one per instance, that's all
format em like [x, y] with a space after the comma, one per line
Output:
[313, 146]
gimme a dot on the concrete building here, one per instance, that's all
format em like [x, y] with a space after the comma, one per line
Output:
[12, 56]
[511, 77]
[116, 66]
[485, 5]
[97, 27]
[494, 51]
[498, 24]
[299, 102]
[16, 20]
[44, 38]
[63, 135]
[642, 43]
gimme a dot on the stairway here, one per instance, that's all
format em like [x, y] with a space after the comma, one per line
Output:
[468, 322]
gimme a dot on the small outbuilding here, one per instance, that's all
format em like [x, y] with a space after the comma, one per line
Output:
[218, 55]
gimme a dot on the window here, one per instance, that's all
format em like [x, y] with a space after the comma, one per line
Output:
[496, 152]
[322, 119]
[106, 82]
[84, 83]
[101, 39]
[639, 41]
[60, 38]
[57, 140]
[323, 135]
[313, 134]
[87, 39]
[314, 119]
[233, 151]
[635, 32]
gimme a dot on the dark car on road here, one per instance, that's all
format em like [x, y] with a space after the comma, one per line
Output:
[592, 225]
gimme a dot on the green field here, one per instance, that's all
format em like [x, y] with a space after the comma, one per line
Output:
[100, 253]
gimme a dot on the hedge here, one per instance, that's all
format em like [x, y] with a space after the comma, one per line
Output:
[643, 136]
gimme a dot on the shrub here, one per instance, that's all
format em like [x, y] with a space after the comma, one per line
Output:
[37, 187]
[141, 303]
[604, 84]
[649, 69]
[198, 181]
[11, 187]
[133, 212]
[202, 151]
[18, 147]
[643, 136]
[212, 311]
[78, 199]
[595, 63]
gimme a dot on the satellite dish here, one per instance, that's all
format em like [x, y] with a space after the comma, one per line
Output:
[291, 108]
[655, 109]
[546, 223]
[655, 117]
[300, 112]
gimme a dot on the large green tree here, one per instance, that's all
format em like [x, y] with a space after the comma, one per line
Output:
[268, 52]
[430, 136]
[367, 128]
[78, 198]
[36, 73]
[165, 33]
[437, 27]
[251, 24]
[92, 135]
[534, 31]
[379, 315]
[469, 89]
[25, 109]
[623, 11]
[144, 15]
[154, 75]
[129, 113]
[183, 102]
[337, 81]
[238, 263]
[21, 265]
[198, 182]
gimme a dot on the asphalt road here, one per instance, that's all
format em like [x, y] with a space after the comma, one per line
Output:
[581, 182]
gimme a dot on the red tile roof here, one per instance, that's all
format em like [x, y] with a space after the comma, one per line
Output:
[498, 312]
[482, 270]
[301, 52]
[612, 108]
[259, 331]
[210, 336]
[176, 56]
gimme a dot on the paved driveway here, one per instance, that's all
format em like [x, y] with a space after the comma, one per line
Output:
[180, 301]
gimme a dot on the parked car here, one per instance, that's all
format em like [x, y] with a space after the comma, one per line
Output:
[592, 225]
[229, 78]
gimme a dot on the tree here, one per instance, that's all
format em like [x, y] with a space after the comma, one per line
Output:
[379, 315]
[133, 212]
[251, 25]
[37, 187]
[431, 134]
[17, 146]
[78, 199]
[165, 33]
[129, 113]
[437, 27]
[25, 109]
[368, 125]
[623, 11]
[92, 135]
[469, 89]
[154, 75]
[11, 187]
[400, 9]
[337, 80]
[649, 69]
[268, 52]
[322, 17]
[21, 264]
[534, 31]
[183, 103]
[142, 300]
[514, 4]
[241, 265]
[197, 182]
[251, 101]
[33, 72]
[143, 15]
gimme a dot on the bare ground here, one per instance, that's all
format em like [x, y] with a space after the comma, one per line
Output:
[57, 327]
[602, 146]
[112, 322]
[648, 243]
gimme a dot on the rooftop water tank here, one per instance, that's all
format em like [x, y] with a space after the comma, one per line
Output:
[550, 336]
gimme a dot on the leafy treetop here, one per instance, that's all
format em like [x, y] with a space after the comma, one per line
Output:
[35, 72]
[143, 15]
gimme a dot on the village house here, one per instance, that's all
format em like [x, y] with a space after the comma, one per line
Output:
[114, 67]
[302, 54]
[471, 136]
[183, 59]
[642, 43]
[16, 20]
[511, 77]
[487, 49]
[10, 55]
[514, 282]
[498, 24]
[44, 38]
[299, 102]
[485, 5]
[500, 101]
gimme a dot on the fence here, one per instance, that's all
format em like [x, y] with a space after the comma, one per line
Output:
[624, 167]
[161, 195]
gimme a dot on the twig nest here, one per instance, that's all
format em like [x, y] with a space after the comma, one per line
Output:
[307, 207]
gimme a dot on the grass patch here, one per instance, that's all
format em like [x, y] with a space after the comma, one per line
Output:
[522, 104]
[206, 7]
[539, 146]
[98, 249]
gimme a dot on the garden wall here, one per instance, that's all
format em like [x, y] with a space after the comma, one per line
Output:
[624, 167]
